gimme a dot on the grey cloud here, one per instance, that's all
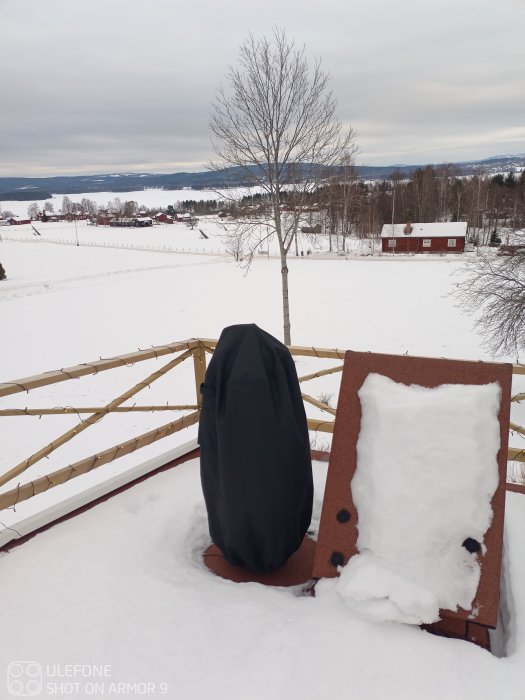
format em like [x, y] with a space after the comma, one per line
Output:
[97, 86]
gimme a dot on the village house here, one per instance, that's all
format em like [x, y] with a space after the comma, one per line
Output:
[186, 216]
[49, 216]
[18, 220]
[103, 218]
[131, 222]
[438, 237]
[162, 218]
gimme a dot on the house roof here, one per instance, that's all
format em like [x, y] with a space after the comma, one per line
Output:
[440, 229]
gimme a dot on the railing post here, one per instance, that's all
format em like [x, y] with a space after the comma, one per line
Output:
[199, 363]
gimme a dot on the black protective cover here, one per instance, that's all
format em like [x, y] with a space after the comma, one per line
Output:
[256, 468]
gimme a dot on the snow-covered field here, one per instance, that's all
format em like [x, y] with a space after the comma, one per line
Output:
[208, 236]
[151, 199]
[123, 584]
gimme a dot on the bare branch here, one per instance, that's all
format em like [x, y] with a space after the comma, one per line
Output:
[495, 289]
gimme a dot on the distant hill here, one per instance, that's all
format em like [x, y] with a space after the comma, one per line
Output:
[30, 189]
[23, 195]
[496, 164]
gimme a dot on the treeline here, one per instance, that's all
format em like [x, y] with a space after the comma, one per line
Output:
[487, 203]
[348, 206]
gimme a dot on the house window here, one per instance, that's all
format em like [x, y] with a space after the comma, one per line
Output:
[451, 243]
[391, 242]
[426, 242]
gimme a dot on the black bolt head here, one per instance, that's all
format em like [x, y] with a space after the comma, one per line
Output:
[343, 516]
[337, 559]
[471, 545]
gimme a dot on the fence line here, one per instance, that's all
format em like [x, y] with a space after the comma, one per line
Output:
[120, 246]
[195, 348]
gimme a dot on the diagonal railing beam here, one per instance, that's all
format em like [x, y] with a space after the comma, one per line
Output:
[61, 375]
[10, 498]
[323, 426]
[93, 418]
[517, 428]
[516, 455]
[319, 404]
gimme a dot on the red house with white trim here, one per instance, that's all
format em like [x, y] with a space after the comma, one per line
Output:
[162, 218]
[18, 220]
[438, 237]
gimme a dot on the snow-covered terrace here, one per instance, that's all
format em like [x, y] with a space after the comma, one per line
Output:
[122, 586]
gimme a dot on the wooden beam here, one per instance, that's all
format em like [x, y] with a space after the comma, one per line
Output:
[332, 353]
[61, 375]
[321, 373]
[516, 428]
[320, 425]
[70, 410]
[318, 404]
[199, 365]
[516, 455]
[93, 418]
[8, 499]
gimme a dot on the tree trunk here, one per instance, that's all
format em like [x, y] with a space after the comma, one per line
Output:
[286, 305]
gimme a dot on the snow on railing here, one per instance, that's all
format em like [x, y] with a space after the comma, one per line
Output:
[195, 348]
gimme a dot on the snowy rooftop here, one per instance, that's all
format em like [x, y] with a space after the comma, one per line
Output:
[442, 229]
[123, 584]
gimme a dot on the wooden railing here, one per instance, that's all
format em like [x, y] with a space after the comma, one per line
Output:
[195, 348]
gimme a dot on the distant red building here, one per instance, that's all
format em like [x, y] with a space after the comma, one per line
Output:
[103, 219]
[49, 216]
[439, 237]
[162, 218]
[17, 221]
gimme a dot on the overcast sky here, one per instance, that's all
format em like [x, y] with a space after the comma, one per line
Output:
[93, 86]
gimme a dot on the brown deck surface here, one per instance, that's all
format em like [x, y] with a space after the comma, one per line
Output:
[297, 570]
[338, 527]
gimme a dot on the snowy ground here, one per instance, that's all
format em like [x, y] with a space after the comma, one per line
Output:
[123, 585]
[207, 236]
[150, 199]
[145, 603]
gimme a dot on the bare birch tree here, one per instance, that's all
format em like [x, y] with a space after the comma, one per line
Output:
[495, 288]
[277, 123]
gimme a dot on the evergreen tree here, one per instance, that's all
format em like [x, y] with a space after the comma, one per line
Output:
[495, 240]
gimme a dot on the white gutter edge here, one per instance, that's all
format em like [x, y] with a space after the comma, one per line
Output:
[53, 512]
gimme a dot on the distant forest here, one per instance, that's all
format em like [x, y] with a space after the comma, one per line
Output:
[487, 203]
[347, 205]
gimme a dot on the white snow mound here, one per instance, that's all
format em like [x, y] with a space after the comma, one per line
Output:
[426, 473]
